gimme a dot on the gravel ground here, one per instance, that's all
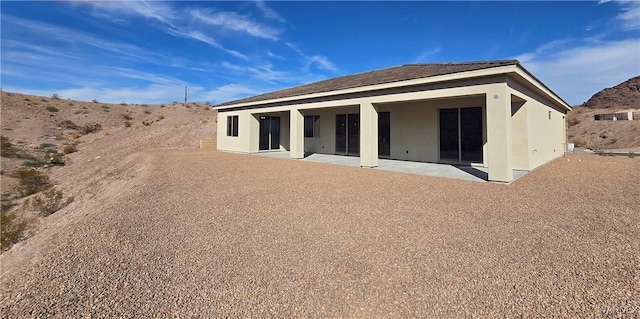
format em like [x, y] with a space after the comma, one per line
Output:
[210, 234]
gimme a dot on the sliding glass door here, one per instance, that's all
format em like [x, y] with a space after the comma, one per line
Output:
[460, 134]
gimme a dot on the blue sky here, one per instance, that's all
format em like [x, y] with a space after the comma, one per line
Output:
[148, 51]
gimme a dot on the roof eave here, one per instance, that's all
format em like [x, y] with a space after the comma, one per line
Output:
[515, 68]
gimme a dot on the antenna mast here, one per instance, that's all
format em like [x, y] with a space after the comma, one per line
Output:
[185, 94]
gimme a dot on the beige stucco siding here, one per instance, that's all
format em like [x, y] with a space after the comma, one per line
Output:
[544, 128]
[240, 143]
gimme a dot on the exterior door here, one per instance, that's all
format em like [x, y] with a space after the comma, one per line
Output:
[348, 134]
[269, 133]
[460, 134]
[384, 134]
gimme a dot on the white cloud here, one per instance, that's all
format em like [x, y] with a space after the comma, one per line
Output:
[319, 61]
[631, 16]
[268, 12]
[199, 36]
[151, 94]
[173, 20]
[263, 72]
[156, 10]
[424, 54]
[577, 73]
[227, 93]
[235, 22]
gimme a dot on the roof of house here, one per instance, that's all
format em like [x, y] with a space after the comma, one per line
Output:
[388, 75]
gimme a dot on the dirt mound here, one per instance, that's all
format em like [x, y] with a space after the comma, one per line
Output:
[95, 146]
[623, 95]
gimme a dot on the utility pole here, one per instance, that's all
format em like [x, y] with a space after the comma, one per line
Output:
[185, 94]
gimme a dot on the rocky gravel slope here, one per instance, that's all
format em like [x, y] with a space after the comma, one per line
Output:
[204, 234]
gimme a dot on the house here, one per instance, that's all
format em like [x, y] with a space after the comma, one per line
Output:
[493, 114]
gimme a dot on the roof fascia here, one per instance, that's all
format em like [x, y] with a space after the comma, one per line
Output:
[523, 73]
[391, 85]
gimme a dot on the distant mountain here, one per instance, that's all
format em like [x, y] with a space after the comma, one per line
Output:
[623, 95]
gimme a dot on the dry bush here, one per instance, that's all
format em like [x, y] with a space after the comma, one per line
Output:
[69, 125]
[7, 149]
[52, 109]
[49, 203]
[69, 148]
[127, 117]
[90, 128]
[127, 124]
[12, 229]
[573, 122]
[31, 181]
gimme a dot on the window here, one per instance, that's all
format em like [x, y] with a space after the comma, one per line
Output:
[232, 125]
[312, 126]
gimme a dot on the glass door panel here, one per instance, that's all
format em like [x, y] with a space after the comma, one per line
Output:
[263, 143]
[353, 134]
[384, 134]
[449, 147]
[275, 133]
[471, 134]
[341, 134]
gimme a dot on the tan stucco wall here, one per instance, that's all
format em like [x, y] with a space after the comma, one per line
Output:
[520, 135]
[545, 137]
[326, 143]
[248, 140]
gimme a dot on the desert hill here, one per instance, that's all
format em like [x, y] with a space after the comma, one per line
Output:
[83, 147]
[622, 96]
[584, 131]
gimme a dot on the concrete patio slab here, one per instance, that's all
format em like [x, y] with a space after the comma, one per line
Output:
[462, 172]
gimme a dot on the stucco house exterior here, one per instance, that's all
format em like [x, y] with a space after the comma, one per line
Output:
[493, 114]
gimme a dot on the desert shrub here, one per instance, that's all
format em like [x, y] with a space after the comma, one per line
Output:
[123, 103]
[69, 124]
[208, 103]
[573, 122]
[160, 117]
[52, 109]
[81, 112]
[127, 117]
[147, 122]
[68, 149]
[31, 181]
[95, 101]
[55, 96]
[162, 105]
[127, 124]
[7, 149]
[90, 128]
[147, 112]
[144, 105]
[631, 155]
[71, 104]
[12, 230]
[49, 203]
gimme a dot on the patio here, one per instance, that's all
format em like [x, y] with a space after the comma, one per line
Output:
[469, 173]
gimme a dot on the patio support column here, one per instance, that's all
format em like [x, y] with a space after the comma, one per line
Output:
[296, 134]
[368, 135]
[500, 158]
